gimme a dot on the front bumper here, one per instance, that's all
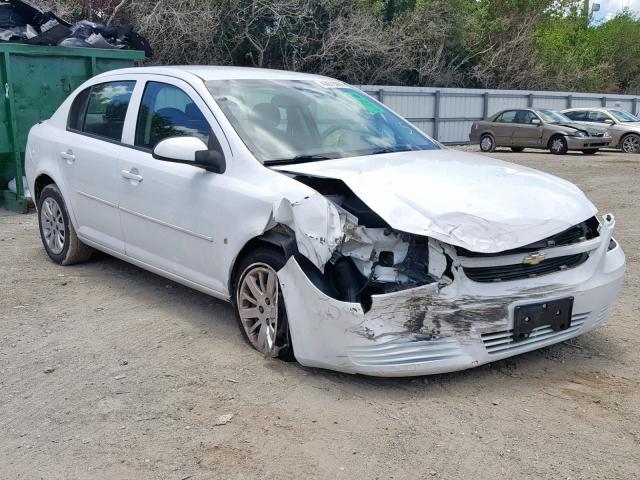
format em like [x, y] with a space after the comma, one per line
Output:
[434, 329]
[582, 143]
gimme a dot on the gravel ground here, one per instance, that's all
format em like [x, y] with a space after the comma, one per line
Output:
[107, 371]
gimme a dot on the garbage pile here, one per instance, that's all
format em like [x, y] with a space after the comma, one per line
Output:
[23, 22]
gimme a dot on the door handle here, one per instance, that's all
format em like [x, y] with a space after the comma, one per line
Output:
[68, 156]
[131, 175]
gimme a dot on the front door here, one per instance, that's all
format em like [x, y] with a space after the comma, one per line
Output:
[170, 211]
[527, 133]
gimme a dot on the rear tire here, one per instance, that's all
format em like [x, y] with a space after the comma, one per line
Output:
[558, 145]
[630, 143]
[487, 143]
[517, 149]
[56, 230]
[258, 304]
[590, 152]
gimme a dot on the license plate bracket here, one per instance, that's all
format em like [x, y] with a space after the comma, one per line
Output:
[554, 313]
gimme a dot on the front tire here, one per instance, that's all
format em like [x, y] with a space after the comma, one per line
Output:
[258, 303]
[487, 143]
[56, 230]
[630, 143]
[558, 145]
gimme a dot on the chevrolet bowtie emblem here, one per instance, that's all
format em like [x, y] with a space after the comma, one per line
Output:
[534, 259]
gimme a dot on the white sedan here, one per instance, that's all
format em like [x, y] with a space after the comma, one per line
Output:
[343, 236]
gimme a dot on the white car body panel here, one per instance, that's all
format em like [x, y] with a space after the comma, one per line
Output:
[190, 225]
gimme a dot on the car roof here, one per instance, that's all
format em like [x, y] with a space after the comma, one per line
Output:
[595, 109]
[207, 72]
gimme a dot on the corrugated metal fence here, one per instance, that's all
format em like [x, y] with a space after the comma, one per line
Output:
[446, 114]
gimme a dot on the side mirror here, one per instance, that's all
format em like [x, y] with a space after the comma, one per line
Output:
[190, 151]
[608, 121]
[535, 121]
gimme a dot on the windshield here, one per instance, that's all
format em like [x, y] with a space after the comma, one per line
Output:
[550, 116]
[282, 121]
[623, 116]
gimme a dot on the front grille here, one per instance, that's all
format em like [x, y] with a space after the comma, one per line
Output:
[503, 342]
[519, 271]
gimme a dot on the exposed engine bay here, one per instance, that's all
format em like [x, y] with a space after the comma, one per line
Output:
[372, 258]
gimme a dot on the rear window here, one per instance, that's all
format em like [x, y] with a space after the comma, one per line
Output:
[106, 110]
[507, 117]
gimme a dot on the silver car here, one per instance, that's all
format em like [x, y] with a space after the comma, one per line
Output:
[622, 126]
[537, 128]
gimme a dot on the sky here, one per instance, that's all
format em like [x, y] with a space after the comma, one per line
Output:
[608, 8]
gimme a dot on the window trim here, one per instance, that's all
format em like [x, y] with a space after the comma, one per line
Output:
[144, 86]
[86, 107]
[135, 101]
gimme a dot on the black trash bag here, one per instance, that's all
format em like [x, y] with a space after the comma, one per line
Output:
[10, 17]
[23, 22]
[20, 21]
[32, 15]
[118, 36]
[73, 42]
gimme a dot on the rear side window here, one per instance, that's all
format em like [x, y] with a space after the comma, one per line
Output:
[107, 108]
[78, 109]
[507, 117]
[166, 111]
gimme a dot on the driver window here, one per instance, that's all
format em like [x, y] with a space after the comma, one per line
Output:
[166, 111]
[599, 117]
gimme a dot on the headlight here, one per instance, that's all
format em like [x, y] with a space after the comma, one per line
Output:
[579, 133]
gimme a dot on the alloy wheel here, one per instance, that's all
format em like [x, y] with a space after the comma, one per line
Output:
[631, 144]
[257, 303]
[53, 228]
[486, 143]
[557, 145]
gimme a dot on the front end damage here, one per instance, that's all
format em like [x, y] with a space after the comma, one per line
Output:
[362, 297]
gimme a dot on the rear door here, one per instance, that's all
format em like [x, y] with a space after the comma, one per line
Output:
[170, 212]
[503, 128]
[90, 153]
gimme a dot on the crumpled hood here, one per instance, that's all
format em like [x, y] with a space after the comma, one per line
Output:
[590, 130]
[464, 199]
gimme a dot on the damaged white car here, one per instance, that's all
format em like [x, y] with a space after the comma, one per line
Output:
[343, 236]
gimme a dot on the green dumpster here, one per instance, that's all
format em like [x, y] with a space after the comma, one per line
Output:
[34, 81]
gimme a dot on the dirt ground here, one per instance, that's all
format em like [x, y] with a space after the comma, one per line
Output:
[143, 368]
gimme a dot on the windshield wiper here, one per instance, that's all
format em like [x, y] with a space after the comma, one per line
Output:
[299, 159]
[381, 150]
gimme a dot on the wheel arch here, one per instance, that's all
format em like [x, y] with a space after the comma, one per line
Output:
[279, 237]
[625, 135]
[555, 135]
[487, 132]
[41, 181]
